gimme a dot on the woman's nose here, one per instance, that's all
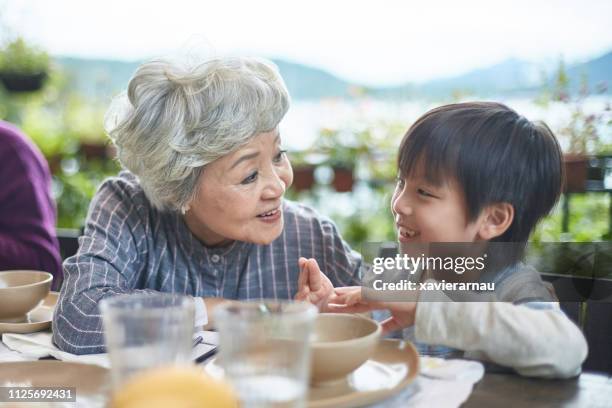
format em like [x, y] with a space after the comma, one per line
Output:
[275, 186]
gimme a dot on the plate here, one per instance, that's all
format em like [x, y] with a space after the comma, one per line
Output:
[393, 366]
[89, 380]
[37, 320]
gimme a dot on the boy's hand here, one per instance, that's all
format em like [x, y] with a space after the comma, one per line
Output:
[349, 300]
[313, 285]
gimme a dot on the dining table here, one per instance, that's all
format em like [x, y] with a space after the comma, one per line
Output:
[505, 389]
[590, 389]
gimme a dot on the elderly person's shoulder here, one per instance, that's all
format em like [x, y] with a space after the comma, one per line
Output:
[125, 185]
[120, 193]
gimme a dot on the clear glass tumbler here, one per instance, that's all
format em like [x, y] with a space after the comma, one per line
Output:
[265, 351]
[146, 330]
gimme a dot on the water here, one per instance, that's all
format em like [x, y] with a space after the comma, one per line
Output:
[130, 360]
[305, 119]
[270, 391]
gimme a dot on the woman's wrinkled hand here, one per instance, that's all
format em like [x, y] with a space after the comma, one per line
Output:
[349, 299]
[313, 285]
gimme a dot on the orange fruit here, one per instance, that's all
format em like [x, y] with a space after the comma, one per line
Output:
[176, 387]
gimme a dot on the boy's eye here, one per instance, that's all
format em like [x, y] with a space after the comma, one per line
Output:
[279, 157]
[425, 193]
[250, 179]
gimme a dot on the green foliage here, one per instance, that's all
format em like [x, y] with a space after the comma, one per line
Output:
[583, 132]
[588, 220]
[20, 57]
[61, 123]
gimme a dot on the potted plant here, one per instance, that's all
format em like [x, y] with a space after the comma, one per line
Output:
[303, 177]
[23, 68]
[580, 134]
[303, 171]
[341, 153]
[343, 177]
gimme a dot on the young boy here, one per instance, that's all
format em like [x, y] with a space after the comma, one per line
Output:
[474, 172]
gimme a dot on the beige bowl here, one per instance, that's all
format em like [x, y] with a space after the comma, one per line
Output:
[20, 292]
[341, 343]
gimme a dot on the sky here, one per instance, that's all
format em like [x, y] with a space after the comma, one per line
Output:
[369, 42]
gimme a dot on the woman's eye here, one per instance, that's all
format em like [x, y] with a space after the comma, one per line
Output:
[250, 179]
[279, 157]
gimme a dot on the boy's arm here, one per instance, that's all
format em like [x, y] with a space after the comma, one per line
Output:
[534, 342]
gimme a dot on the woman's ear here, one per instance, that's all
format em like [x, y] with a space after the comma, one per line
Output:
[496, 219]
[185, 208]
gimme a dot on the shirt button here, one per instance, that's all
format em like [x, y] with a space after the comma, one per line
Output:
[215, 258]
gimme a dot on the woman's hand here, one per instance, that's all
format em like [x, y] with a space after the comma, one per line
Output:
[313, 285]
[349, 300]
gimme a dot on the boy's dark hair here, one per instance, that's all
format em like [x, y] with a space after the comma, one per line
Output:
[494, 154]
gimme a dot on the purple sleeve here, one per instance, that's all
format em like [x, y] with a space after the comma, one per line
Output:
[27, 211]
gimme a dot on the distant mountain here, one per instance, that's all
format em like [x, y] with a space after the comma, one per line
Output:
[512, 76]
[305, 82]
[97, 78]
[506, 77]
[101, 79]
[597, 71]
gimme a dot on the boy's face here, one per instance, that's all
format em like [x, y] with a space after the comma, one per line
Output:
[427, 213]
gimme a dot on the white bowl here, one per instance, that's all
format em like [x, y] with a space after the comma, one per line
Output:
[21, 292]
[341, 344]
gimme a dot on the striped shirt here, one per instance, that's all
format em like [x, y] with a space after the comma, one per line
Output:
[128, 247]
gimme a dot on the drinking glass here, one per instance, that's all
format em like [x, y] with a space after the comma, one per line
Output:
[146, 330]
[265, 351]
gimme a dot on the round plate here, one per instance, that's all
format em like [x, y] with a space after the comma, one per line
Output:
[86, 378]
[37, 320]
[393, 366]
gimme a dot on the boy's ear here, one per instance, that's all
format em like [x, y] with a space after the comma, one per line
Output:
[496, 219]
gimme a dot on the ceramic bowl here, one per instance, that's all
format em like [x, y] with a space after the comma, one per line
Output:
[340, 344]
[22, 291]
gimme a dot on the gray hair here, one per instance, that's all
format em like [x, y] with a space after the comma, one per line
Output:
[176, 120]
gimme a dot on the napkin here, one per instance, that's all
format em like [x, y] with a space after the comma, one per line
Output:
[7, 355]
[37, 345]
[441, 383]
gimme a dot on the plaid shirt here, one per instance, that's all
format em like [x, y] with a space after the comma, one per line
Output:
[128, 247]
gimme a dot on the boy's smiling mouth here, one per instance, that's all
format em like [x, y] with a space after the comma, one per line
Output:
[406, 233]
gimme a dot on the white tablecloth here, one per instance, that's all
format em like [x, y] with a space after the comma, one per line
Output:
[442, 383]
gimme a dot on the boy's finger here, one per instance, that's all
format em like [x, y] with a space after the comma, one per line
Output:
[349, 298]
[346, 299]
[390, 325]
[347, 289]
[360, 308]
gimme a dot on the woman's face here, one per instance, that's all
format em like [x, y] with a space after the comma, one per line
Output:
[240, 195]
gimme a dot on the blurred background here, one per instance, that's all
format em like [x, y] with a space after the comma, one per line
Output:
[359, 74]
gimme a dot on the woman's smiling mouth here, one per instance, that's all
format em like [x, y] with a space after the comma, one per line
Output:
[270, 216]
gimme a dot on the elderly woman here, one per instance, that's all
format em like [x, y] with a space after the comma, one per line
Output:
[199, 209]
